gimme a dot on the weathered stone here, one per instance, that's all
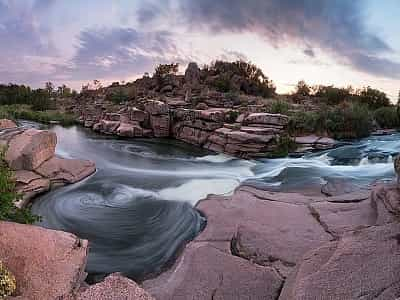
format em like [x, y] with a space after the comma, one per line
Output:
[47, 264]
[260, 130]
[109, 127]
[203, 125]
[30, 149]
[266, 118]
[154, 107]
[160, 125]
[213, 115]
[130, 130]
[66, 171]
[7, 124]
[204, 272]
[338, 186]
[386, 201]
[192, 135]
[138, 115]
[115, 117]
[243, 137]
[363, 264]
[30, 184]
[114, 287]
[192, 74]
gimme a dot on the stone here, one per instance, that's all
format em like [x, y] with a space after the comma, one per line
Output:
[7, 282]
[30, 184]
[62, 171]
[386, 201]
[138, 115]
[192, 135]
[115, 117]
[130, 130]
[259, 130]
[244, 137]
[155, 107]
[160, 125]
[30, 149]
[203, 125]
[47, 264]
[338, 186]
[114, 287]
[212, 115]
[308, 140]
[363, 264]
[7, 124]
[201, 106]
[109, 127]
[266, 118]
[204, 272]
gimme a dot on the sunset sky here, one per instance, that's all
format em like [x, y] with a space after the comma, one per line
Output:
[338, 42]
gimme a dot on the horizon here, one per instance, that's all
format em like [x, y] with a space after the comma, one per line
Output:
[322, 42]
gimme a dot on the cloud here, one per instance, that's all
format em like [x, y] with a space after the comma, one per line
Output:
[121, 52]
[334, 26]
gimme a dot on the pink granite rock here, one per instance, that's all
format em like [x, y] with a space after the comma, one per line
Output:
[30, 184]
[266, 118]
[28, 150]
[130, 130]
[160, 125]
[47, 264]
[155, 107]
[7, 124]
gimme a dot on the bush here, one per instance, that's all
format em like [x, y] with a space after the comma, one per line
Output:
[349, 121]
[373, 98]
[8, 196]
[306, 123]
[285, 145]
[332, 95]
[279, 107]
[7, 282]
[387, 117]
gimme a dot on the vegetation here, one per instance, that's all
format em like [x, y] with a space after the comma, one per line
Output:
[303, 89]
[7, 282]
[25, 112]
[278, 107]
[332, 95]
[285, 145]
[387, 117]
[239, 76]
[373, 98]
[8, 196]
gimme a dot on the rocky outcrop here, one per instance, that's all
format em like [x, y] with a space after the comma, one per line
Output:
[313, 142]
[316, 247]
[31, 154]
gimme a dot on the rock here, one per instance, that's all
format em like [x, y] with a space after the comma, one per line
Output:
[212, 115]
[363, 264]
[338, 186]
[47, 264]
[115, 287]
[66, 171]
[204, 272]
[386, 201]
[192, 74]
[192, 135]
[266, 118]
[155, 107]
[244, 137]
[308, 140]
[30, 149]
[138, 115]
[130, 130]
[160, 125]
[109, 127]
[7, 124]
[115, 117]
[166, 89]
[201, 106]
[259, 130]
[30, 184]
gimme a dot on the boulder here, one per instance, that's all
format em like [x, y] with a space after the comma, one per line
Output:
[160, 125]
[338, 186]
[266, 118]
[138, 115]
[30, 149]
[363, 264]
[386, 201]
[47, 264]
[204, 272]
[114, 287]
[109, 127]
[192, 135]
[7, 124]
[130, 130]
[62, 171]
[30, 184]
[192, 75]
[155, 107]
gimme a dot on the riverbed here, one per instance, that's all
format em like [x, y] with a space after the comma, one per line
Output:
[137, 210]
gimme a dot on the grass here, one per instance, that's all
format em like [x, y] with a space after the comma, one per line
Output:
[25, 112]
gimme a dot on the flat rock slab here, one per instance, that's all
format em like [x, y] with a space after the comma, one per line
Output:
[114, 287]
[338, 186]
[7, 124]
[66, 171]
[47, 264]
[386, 200]
[204, 272]
[361, 265]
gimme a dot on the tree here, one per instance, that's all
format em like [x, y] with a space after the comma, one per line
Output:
[373, 98]
[163, 70]
[49, 87]
[302, 89]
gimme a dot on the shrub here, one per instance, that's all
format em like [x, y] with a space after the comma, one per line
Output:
[373, 98]
[349, 121]
[332, 95]
[7, 282]
[387, 117]
[302, 89]
[285, 145]
[279, 107]
[304, 123]
[8, 196]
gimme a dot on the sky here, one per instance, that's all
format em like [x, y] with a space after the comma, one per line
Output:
[340, 42]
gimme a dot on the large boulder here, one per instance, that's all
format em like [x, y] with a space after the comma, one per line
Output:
[47, 264]
[62, 171]
[266, 118]
[28, 150]
[115, 287]
[7, 124]
[192, 75]
[363, 264]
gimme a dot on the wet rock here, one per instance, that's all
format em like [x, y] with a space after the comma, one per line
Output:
[114, 287]
[28, 150]
[130, 130]
[338, 186]
[204, 272]
[191, 135]
[160, 125]
[266, 118]
[109, 127]
[47, 264]
[363, 264]
[62, 171]
[7, 124]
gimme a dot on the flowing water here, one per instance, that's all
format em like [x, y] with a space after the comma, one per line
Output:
[137, 209]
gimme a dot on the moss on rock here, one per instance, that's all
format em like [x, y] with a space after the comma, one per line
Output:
[7, 282]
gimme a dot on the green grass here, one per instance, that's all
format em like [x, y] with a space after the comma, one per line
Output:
[26, 113]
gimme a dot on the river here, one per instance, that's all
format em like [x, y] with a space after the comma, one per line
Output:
[137, 209]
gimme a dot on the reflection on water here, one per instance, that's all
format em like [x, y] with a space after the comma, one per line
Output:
[137, 210]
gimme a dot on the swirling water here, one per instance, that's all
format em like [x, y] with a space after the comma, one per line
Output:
[137, 210]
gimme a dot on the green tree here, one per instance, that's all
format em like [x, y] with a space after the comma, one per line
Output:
[302, 88]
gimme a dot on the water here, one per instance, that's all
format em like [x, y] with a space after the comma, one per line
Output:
[137, 209]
